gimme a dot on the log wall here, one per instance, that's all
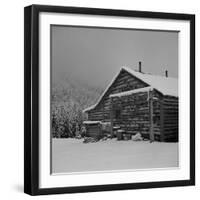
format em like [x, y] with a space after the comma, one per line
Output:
[124, 82]
[93, 130]
[135, 114]
[157, 115]
[170, 118]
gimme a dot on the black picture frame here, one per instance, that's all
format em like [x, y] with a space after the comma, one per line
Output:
[31, 98]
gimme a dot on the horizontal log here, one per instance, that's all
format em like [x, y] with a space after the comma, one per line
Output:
[170, 99]
[168, 113]
[171, 117]
[170, 103]
[169, 121]
[170, 135]
[170, 128]
[170, 107]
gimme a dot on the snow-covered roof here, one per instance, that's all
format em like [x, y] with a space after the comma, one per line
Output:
[165, 85]
[127, 93]
[90, 108]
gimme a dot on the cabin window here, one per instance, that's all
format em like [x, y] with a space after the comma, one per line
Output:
[117, 114]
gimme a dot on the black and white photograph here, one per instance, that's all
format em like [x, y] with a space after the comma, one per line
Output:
[114, 99]
[98, 100]
[109, 100]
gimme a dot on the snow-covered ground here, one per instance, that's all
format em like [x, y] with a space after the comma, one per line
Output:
[72, 155]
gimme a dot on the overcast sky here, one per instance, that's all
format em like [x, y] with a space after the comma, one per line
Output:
[95, 55]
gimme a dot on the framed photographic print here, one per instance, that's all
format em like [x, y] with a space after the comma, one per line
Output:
[109, 99]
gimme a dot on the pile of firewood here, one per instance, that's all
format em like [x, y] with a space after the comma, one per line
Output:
[90, 140]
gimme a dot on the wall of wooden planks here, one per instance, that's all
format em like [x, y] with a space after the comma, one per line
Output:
[124, 82]
[136, 116]
[170, 118]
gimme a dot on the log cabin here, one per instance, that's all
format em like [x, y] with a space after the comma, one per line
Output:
[138, 102]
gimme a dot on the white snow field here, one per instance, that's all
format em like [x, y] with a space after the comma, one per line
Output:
[72, 155]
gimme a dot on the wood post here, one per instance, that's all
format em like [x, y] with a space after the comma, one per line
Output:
[111, 116]
[151, 131]
[162, 135]
[100, 131]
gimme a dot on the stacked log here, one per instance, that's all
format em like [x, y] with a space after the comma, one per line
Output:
[124, 82]
[170, 111]
[135, 113]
